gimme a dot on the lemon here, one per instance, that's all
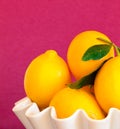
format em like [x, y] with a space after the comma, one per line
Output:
[78, 46]
[67, 101]
[45, 75]
[107, 84]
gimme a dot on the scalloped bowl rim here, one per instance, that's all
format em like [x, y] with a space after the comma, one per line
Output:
[32, 118]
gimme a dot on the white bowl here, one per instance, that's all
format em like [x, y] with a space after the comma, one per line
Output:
[32, 118]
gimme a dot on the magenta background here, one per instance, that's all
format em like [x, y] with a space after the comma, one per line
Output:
[29, 27]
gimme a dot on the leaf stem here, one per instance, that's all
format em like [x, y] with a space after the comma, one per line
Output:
[104, 40]
[117, 49]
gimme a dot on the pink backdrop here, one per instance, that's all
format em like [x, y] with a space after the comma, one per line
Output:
[29, 27]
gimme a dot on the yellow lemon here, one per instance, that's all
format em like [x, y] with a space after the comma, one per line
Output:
[107, 84]
[79, 46]
[45, 75]
[68, 100]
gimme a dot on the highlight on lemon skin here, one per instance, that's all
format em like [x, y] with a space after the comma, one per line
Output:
[46, 74]
[67, 101]
[79, 46]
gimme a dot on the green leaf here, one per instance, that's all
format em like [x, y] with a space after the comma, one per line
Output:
[96, 52]
[87, 80]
